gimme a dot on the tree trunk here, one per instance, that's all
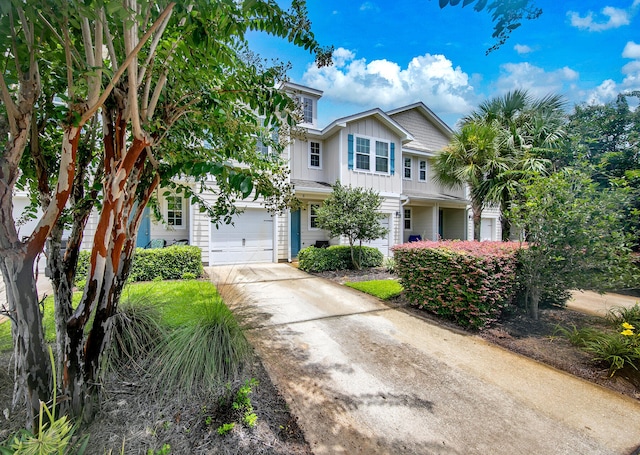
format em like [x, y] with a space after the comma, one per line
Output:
[534, 302]
[32, 371]
[477, 221]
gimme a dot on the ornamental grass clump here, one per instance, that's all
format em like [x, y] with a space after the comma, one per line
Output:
[467, 282]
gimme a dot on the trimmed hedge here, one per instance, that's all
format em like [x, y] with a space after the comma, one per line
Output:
[467, 282]
[171, 263]
[336, 257]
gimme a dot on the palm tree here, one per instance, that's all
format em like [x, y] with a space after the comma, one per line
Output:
[531, 128]
[472, 156]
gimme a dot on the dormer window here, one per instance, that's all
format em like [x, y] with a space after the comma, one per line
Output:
[307, 110]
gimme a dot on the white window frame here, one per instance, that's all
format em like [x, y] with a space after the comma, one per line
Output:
[311, 166]
[171, 219]
[422, 173]
[262, 149]
[407, 217]
[306, 102]
[406, 168]
[372, 154]
[386, 157]
[312, 216]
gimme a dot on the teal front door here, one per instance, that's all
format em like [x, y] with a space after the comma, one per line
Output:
[295, 233]
[144, 231]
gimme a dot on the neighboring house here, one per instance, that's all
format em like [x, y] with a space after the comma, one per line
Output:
[388, 152]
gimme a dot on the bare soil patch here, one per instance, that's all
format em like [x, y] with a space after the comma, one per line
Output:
[539, 340]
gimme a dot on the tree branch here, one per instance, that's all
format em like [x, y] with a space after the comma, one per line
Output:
[130, 57]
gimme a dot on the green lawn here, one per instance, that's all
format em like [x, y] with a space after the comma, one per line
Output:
[383, 289]
[178, 302]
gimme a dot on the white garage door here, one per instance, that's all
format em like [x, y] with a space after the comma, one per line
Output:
[250, 239]
[383, 243]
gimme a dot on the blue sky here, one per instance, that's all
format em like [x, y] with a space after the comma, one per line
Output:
[390, 53]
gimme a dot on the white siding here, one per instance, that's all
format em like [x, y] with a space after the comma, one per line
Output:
[415, 186]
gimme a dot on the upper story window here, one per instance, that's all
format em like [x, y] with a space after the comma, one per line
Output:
[315, 155]
[407, 168]
[307, 109]
[261, 147]
[363, 152]
[382, 156]
[422, 171]
[313, 216]
[372, 155]
[175, 211]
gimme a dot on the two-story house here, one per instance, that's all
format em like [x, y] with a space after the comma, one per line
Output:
[388, 152]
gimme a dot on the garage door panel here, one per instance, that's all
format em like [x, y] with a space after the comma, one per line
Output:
[383, 243]
[249, 239]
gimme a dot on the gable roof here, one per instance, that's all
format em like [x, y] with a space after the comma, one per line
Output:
[377, 113]
[428, 113]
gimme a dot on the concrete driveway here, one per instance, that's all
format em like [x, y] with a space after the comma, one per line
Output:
[364, 378]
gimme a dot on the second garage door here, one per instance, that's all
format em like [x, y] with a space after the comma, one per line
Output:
[250, 239]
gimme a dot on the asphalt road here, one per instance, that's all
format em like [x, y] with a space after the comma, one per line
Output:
[364, 378]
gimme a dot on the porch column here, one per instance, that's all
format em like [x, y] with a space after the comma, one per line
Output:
[435, 219]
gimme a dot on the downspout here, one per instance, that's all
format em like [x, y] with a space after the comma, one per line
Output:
[340, 157]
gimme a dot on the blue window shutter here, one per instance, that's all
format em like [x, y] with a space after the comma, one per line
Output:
[393, 158]
[350, 150]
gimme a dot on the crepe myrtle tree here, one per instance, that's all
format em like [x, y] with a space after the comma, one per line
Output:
[178, 94]
[352, 213]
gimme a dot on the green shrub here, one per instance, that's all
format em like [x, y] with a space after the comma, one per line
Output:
[617, 348]
[169, 263]
[201, 354]
[467, 282]
[336, 257]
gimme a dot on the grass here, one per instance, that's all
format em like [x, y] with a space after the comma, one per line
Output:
[177, 302]
[383, 289]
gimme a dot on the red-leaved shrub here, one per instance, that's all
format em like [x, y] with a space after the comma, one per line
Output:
[467, 282]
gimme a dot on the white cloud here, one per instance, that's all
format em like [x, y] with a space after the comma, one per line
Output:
[385, 84]
[616, 18]
[631, 50]
[605, 92]
[369, 6]
[523, 48]
[535, 79]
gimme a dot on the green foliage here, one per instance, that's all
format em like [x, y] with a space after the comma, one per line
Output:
[389, 265]
[506, 14]
[55, 435]
[225, 428]
[604, 141]
[353, 213]
[383, 289]
[164, 450]
[136, 329]
[171, 263]
[202, 353]
[617, 348]
[467, 282]
[337, 257]
[574, 237]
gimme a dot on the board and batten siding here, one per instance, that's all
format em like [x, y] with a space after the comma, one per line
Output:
[382, 183]
[415, 186]
[299, 162]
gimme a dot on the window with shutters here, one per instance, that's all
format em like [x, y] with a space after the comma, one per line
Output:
[370, 155]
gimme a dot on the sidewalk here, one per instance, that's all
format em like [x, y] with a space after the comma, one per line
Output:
[599, 304]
